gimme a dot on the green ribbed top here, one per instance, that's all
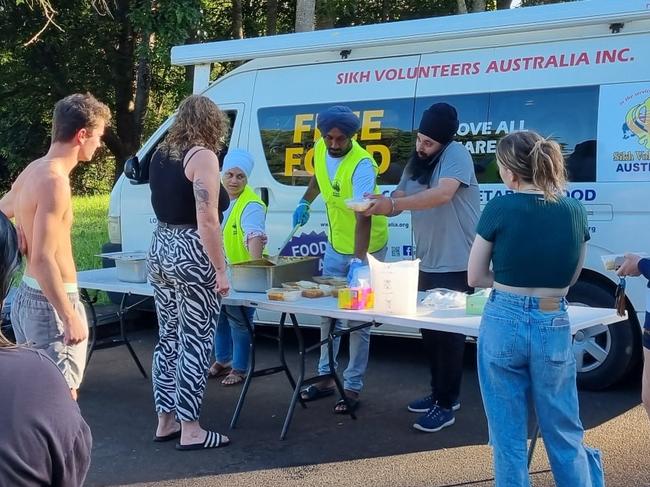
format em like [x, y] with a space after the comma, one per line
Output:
[536, 243]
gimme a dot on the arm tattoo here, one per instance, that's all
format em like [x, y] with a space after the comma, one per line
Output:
[202, 196]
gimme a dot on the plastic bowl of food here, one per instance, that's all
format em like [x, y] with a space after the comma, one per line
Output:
[358, 205]
[281, 294]
[613, 261]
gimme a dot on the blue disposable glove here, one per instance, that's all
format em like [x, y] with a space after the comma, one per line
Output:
[355, 265]
[301, 214]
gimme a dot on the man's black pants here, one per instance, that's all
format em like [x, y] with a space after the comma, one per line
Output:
[444, 350]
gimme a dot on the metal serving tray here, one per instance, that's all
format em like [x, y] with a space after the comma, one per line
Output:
[256, 276]
[131, 266]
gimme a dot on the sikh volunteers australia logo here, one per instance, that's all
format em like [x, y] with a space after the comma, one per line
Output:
[637, 123]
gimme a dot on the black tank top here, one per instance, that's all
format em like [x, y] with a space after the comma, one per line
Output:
[172, 194]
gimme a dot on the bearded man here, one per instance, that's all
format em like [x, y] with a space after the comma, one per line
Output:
[439, 188]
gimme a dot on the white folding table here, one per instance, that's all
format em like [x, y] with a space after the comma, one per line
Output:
[454, 321]
[106, 280]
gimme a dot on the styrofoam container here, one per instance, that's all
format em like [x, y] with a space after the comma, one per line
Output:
[613, 261]
[358, 205]
[131, 266]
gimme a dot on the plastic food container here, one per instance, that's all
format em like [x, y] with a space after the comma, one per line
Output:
[356, 298]
[282, 294]
[443, 299]
[613, 261]
[259, 275]
[358, 205]
[476, 302]
[131, 266]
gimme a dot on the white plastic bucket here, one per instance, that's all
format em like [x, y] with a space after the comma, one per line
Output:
[395, 285]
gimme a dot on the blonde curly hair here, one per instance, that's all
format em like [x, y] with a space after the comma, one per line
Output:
[199, 121]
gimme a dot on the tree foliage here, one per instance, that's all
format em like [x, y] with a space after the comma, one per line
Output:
[119, 50]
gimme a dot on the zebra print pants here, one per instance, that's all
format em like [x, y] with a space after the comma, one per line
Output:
[184, 281]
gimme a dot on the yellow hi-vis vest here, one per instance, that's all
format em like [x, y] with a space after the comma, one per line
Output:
[342, 220]
[234, 238]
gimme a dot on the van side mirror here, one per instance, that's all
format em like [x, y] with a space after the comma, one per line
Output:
[137, 172]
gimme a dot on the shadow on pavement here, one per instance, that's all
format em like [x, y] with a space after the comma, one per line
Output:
[117, 403]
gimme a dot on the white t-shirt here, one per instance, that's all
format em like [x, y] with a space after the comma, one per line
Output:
[363, 178]
[253, 219]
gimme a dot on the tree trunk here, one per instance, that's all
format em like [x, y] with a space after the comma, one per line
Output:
[271, 17]
[305, 15]
[143, 84]
[117, 140]
[478, 6]
[325, 15]
[462, 7]
[503, 4]
[385, 17]
[237, 21]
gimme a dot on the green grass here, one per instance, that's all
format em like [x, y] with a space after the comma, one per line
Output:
[89, 230]
[89, 233]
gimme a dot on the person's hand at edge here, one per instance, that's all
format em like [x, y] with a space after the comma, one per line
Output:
[301, 213]
[74, 331]
[222, 285]
[630, 266]
[379, 205]
[355, 263]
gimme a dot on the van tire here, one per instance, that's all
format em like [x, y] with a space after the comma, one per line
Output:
[619, 340]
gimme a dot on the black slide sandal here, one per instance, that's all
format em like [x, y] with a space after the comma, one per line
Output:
[312, 393]
[169, 437]
[349, 407]
[212, 440]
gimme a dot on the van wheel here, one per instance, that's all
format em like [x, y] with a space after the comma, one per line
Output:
[603, 353]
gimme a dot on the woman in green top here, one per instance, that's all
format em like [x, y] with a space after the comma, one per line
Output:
[535, 240]
[244, 237]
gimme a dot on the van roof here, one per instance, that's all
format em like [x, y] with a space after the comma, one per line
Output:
[510, 21]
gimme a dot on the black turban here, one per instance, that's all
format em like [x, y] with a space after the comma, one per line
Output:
[339, 117]
[439, 122]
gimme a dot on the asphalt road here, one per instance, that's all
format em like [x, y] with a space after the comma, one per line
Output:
[323, 449]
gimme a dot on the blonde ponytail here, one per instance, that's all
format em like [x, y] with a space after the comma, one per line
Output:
[548, 169]
[534, 160]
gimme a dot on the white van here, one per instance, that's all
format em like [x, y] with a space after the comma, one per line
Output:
[578, 72]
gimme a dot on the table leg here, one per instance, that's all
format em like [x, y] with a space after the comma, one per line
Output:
[85, 297]
[123, 311]
[301, 377]
[330, 352]
[251, 367]
[283, 359]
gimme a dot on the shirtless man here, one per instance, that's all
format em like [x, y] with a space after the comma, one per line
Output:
[46, 312]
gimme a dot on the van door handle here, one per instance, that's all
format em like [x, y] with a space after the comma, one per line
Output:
[264, 195]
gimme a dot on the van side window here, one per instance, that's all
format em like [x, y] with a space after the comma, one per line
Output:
[288, 135]
[232, 116]
[567, 115]
[146, 159]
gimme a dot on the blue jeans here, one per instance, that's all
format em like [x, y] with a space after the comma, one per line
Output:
[335, 264]
[525, 352]
[232, 341]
